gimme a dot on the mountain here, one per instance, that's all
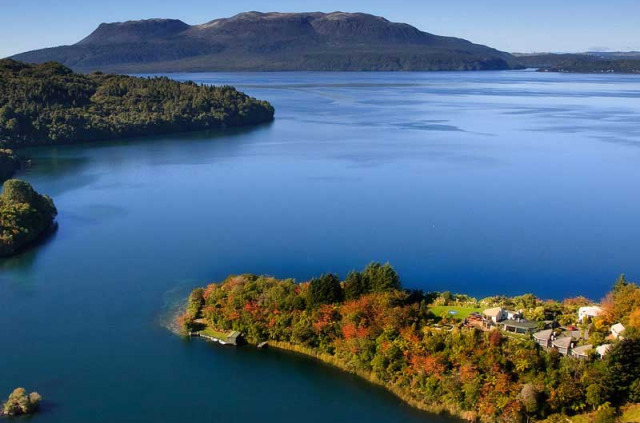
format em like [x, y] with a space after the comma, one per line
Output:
[257, 41]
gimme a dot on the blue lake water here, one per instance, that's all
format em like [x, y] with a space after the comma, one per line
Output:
[483, 183]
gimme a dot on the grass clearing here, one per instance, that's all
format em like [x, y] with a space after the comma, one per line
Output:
[630, 414]
[461, 312]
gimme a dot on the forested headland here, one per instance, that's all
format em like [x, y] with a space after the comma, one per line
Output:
[25, 216]
[369, 325]
[50, 104]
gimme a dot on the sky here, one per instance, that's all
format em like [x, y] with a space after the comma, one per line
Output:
[509, 25]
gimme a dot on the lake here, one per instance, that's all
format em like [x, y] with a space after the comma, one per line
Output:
[482, 183]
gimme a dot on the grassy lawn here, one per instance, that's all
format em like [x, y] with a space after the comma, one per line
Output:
[461, 312]
[210, 332]
[631, 414]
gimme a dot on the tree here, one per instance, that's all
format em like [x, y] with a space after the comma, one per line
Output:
[530, 398]
[325, 290]
[620, 283]
[355, 286]
[595, 395]
[20, 403]
[623, 366]
[381, 278]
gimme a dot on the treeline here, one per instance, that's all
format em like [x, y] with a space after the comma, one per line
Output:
[369, 325]
[596, 66]
[25, 216]
[49, 104]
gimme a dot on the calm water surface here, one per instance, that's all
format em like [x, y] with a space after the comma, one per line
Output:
[484, 183]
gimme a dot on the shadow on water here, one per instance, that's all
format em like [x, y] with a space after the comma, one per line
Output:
[62, 160]
[64, 168]
[27, 256]
[293, 370]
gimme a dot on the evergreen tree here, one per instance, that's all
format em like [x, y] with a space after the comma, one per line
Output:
[355, 285]
[623, 365]
[325, 290]
[381, 278]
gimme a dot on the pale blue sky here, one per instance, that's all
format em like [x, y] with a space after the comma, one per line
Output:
[511, 25]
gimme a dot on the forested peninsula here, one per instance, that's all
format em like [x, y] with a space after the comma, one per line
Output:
[25, 216]
[498, 359]
[50, 104]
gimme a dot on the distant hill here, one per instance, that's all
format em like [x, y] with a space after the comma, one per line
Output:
[547, 60]
[592, 62]
[256, 41]
[588, 62]
[596, 66]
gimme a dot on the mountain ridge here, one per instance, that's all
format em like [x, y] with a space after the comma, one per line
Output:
[271, 41]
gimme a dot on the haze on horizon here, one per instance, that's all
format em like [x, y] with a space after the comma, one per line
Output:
[546, 25]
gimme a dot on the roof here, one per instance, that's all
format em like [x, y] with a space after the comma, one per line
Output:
[493, 312]
[603, 349]
[576, 334]
[618, 327]
[543, 334]
[524, 324]
[562, 342]
[582, 350]
[590, 310]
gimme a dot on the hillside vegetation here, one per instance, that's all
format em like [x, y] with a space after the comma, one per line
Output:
[369, 325]
[49, 104]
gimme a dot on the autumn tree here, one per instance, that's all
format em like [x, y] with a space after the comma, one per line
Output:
[19, 403]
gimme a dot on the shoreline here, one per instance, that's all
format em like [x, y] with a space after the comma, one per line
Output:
[372, 378]
[369, 377]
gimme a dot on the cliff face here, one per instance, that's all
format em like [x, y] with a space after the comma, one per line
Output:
[271, 41]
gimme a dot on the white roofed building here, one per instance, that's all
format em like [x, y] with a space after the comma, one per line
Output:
[588, 312]
[617, 330]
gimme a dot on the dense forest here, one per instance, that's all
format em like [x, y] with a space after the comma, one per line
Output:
[369, 325]
[25, 216]
[49, 104]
